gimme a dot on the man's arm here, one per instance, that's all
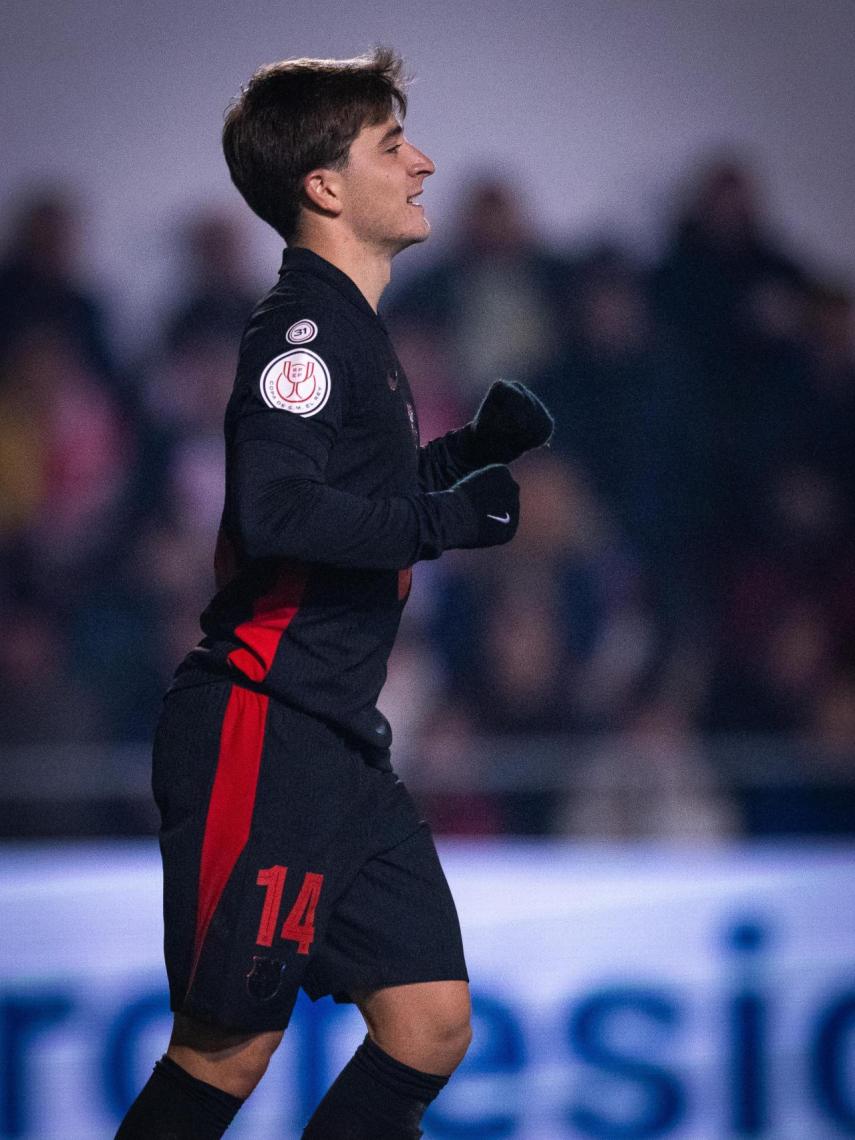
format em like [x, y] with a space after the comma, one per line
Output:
[510, 421]
[287, 415]
[294, 514]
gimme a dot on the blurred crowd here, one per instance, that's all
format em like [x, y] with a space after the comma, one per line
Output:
[668, 646]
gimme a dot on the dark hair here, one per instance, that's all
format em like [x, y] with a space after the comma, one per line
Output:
[300, 114]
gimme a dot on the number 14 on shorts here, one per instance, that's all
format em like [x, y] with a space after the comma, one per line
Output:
[299, 926]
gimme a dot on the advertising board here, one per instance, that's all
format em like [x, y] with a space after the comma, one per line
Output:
[620, 993]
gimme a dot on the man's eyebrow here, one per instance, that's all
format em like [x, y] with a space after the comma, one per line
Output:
[392, 133]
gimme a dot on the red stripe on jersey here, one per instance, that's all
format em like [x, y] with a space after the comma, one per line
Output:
[271, 616]
[405, 581]
[231, 805]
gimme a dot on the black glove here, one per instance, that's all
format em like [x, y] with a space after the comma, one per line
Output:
[495, 501]
[511, 420]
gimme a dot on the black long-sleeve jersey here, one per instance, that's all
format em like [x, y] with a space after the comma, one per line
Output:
[329, 501]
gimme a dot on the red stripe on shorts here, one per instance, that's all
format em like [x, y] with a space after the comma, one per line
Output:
[231, 805]
[272, 613]
[232, 800]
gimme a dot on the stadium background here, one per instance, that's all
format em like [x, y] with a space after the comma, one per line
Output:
[635, 728]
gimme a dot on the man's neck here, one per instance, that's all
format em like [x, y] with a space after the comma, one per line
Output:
[369, 269]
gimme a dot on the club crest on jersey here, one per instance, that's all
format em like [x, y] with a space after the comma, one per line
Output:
[297, 381]
[302, 332]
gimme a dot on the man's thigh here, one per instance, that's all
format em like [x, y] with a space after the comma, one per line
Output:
[395, 925]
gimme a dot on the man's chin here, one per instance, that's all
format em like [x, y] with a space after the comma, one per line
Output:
[413, 238]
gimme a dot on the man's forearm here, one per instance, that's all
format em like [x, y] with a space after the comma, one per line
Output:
[295, 516]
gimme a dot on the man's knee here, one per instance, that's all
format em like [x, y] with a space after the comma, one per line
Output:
[234, 1062]
[448, 1026]
[450, 1037]
[426, 1025]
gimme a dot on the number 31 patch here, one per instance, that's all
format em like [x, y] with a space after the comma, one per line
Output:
[297, 381]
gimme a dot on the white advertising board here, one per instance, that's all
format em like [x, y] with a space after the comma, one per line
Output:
[620, 994]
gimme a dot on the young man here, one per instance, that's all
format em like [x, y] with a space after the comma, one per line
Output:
[293, 856]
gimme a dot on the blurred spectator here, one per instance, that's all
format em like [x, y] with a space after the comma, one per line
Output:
[185, 392]
[67, 519]
[827, 424]
[634, 413]
[167, 577]
[217, 296]
[737, 302]
[521, 637]
[788, 613]
[496, 301]
[722, 272]
[43, 702]
[40, 286]
[65, 459]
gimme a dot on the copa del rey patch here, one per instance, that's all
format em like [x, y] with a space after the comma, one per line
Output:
[297, 381]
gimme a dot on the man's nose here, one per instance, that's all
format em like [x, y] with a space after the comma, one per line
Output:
[422, 164]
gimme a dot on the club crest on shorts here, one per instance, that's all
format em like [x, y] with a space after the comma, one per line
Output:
[297, 381]
[302, 332]
[265, 978]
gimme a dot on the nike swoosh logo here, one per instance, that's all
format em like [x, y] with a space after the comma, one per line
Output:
[505, 518]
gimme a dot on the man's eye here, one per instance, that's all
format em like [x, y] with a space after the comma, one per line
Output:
[392, 149]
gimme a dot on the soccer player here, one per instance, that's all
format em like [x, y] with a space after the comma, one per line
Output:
[292, 854]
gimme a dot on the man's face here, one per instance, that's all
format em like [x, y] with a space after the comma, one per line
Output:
[383, 177]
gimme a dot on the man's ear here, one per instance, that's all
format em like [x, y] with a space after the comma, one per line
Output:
[323, 190]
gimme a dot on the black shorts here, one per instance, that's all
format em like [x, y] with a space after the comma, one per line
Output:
[288, 861]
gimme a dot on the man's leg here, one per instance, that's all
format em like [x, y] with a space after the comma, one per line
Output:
[198, 1087]
[234, 1062]
[426, 1025]
[417, 1036]
[233, 861]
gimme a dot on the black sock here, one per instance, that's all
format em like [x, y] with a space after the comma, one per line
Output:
[175, 1106]
[374, 1097]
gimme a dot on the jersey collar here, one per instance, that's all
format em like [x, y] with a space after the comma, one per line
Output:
[306, 261]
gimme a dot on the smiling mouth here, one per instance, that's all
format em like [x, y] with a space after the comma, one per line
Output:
[411, 201]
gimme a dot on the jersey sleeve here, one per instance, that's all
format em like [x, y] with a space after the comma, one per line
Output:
[291, 403]
[287, 392]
